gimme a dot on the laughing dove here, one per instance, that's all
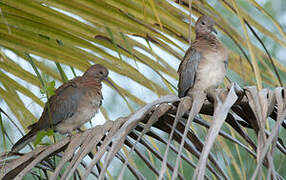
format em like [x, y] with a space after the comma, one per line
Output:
[73, 104]
[205, 62]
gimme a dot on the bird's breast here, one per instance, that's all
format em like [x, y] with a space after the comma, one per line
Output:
[92, 99]
[89, 104]
[211, 71]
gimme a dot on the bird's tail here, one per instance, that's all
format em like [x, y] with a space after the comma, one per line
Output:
[20, 144]
[181, 93]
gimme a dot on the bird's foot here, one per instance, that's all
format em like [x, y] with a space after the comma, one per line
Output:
[214, 95]
[210, 94]
[69, 134]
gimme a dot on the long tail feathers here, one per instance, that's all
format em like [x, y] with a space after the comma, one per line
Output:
[24, 141]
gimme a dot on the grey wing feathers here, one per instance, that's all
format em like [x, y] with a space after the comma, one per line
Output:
[187, 72]
[62, 106]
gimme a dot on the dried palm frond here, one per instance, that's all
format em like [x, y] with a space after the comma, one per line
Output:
[128, 136]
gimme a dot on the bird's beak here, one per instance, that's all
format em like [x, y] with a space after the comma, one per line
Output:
[213, 29]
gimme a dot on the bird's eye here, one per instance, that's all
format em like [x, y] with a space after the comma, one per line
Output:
[100, 72]
[203, 23]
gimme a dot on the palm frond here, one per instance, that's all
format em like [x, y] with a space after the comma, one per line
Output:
[172, 116]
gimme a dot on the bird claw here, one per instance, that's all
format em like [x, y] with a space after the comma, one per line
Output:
[69, 134]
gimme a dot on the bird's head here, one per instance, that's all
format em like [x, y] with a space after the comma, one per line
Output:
[99, 72]
[96, 71]
[204, 25]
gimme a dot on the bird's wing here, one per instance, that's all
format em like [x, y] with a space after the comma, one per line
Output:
[187, 71]
[61, 106]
